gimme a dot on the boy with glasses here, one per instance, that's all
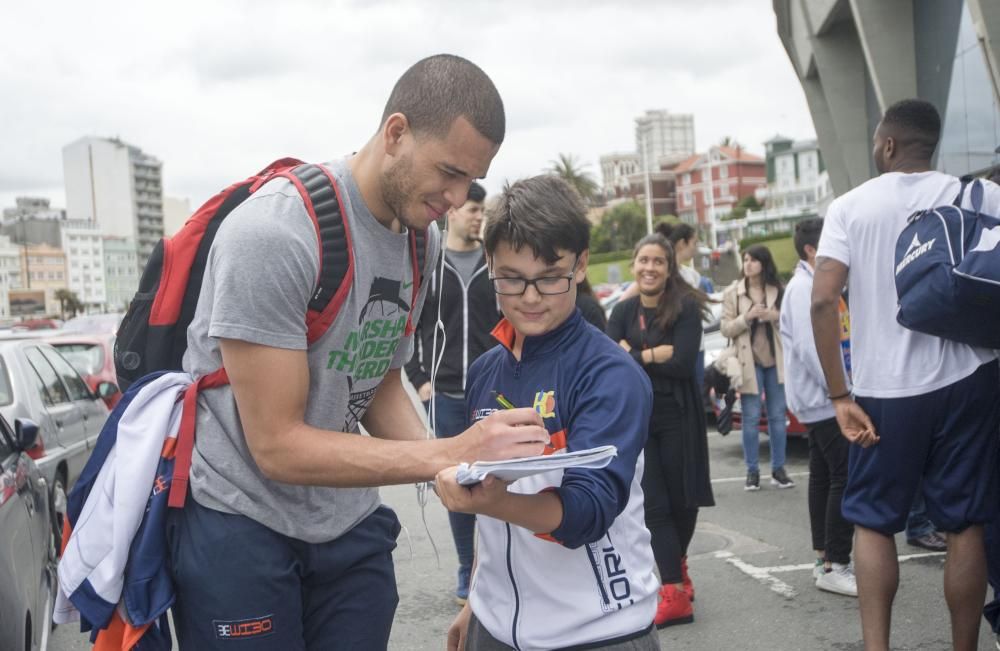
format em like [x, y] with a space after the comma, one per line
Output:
[564, 557]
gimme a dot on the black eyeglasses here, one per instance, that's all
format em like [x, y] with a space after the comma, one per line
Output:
[547, 286]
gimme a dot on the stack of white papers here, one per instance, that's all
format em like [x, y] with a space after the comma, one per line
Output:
[514, 469]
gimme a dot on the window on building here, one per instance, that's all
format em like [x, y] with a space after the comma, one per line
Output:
[725, 190]
[723, 171]
[687, 179]
[687, 198]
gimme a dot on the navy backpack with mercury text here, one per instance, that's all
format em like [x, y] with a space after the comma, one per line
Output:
[947, 269]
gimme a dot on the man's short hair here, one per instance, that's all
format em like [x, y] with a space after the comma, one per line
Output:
[917, 124]
[437, 90]
[477, 193]
[544, 212]
[807, 231]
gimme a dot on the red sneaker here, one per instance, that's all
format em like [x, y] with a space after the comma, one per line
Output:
[686, 578]
[674, 607]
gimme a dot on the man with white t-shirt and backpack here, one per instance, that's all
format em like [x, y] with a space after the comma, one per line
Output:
[923, 408]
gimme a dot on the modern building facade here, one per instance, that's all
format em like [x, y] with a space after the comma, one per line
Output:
[710, 185]
[44, 270]
[855, 58]
[798, 187]
[118, 187]
[121, 272]
[10, 274]
[32, 207]
[660, 134]
[796, 174]
[616, 167]
[84, 249]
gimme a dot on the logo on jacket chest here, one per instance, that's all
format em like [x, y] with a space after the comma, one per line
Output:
[545, 404]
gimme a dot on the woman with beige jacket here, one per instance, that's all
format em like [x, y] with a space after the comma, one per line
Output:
[750, 308]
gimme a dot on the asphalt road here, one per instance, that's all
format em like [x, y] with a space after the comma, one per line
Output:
[750, 562]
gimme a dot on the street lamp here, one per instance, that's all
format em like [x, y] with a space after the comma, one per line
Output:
[649, 192]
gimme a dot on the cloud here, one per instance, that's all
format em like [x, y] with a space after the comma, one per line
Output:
[218, 89]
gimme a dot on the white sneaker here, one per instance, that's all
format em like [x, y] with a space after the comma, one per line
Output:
[840, 580]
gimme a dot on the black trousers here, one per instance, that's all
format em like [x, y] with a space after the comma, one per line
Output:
[828, 452]
[670, 521]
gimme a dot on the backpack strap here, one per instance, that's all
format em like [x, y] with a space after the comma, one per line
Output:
[418, 260]
[185, 435]
[975, 195]
[323, 202]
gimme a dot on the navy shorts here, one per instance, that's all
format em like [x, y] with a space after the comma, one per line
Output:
[948, 439]
[243, 587]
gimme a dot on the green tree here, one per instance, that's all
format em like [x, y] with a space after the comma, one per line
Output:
[740, 209]
[620, 229]
[68, 301]
[567, 168]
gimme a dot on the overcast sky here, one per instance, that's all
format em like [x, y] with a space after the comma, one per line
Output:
[216, 89]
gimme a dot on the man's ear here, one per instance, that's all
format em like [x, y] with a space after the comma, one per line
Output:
[890, 147]
[394, 130]
[581, 266]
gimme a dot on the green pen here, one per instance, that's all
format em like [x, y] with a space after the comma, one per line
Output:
[503, 402]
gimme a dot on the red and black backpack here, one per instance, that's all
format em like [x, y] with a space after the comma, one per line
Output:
[153, 334]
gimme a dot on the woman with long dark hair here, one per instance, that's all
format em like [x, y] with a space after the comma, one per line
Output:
[661, 328]
[750, 310]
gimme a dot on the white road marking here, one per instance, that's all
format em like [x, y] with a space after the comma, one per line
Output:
[723, 480]
[759, 573]
[765, 574]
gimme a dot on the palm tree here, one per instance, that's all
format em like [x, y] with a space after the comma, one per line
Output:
[567, 168]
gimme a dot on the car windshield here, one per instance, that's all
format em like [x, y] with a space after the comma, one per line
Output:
[87, 359]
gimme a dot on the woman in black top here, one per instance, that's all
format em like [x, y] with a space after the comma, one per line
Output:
[589, 306]
[661, 328]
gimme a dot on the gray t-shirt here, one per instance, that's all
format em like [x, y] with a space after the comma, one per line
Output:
[465, 262]
[260, 276]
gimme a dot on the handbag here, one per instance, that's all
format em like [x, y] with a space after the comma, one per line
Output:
[728, 361]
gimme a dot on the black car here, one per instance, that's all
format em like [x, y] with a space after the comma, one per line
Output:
[27, 550]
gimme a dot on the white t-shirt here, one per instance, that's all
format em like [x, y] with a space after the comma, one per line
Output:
[860, 230]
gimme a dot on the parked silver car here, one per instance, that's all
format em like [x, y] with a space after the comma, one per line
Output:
[27, 551]
[37, 383]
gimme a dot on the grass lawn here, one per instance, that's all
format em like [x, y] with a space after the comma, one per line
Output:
[784, 254]
[598, 273]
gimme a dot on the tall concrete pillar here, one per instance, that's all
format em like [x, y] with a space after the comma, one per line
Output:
[885, 29]
[986, 18]
[841, 68]
[826, 135]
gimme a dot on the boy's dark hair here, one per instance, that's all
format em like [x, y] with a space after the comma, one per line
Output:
[675, 232]
[807, 232]
[544, 213]
[917, 125]
[477, 193]
[437, 90]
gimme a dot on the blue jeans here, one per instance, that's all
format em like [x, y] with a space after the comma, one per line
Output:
[450, 421]
[774, 397]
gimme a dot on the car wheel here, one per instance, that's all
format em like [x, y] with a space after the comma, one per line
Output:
[59, 503]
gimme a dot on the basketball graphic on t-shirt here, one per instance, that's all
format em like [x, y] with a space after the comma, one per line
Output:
[384, 294]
